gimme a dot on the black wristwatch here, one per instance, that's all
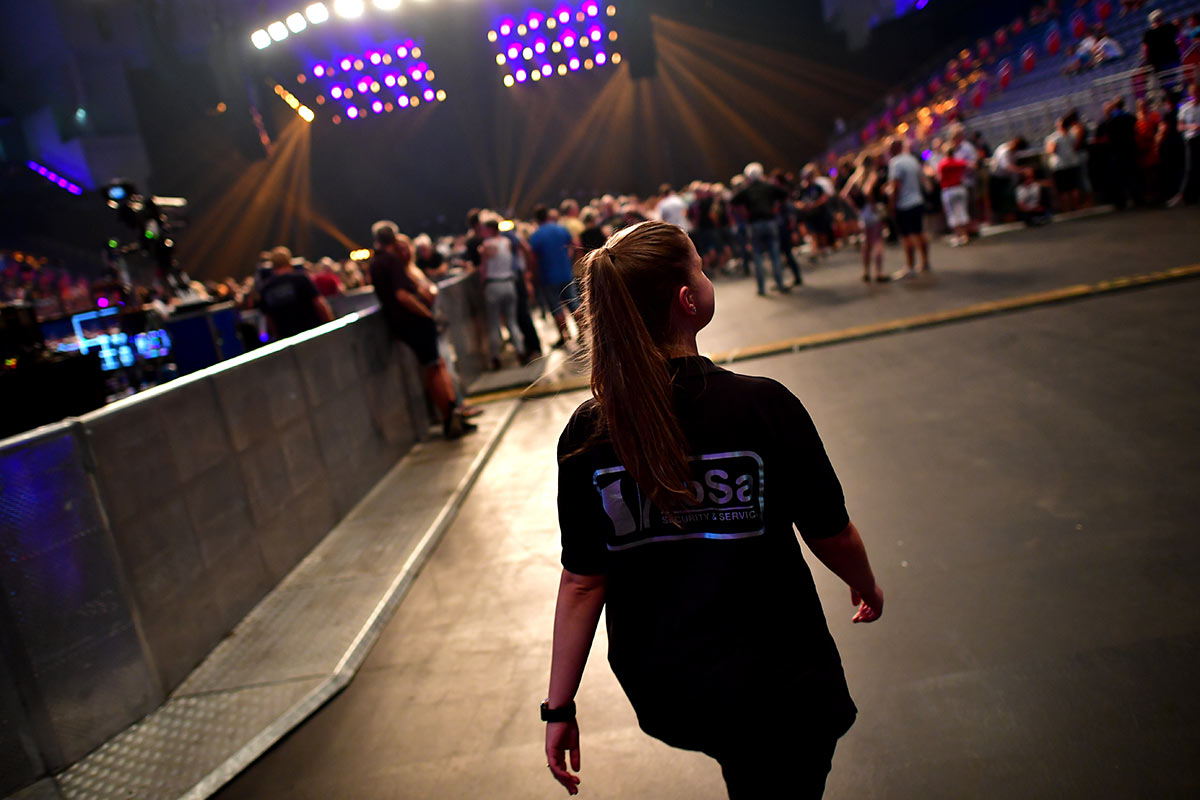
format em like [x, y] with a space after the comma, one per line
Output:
[561, 714]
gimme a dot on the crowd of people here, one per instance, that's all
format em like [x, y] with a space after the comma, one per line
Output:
[901, 188]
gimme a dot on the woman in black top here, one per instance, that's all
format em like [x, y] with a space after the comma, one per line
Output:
[679, 486]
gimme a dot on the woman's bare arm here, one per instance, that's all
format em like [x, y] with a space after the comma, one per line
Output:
[580, 601]
[846, 556]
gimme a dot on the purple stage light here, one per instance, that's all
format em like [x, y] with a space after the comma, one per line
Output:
[539, 46]
[534, 20]
[352, 112]
[520, 75]
[377, 106]
[73, 189]
[428, 95]
[375, 58]
[568, 39]
[601, 58]
[336, 92]
[102, 302]
[506, 27]
[573, 64]
[513, 51]
[594, 34]
[547, 70]
[402, 101]
[564, 14]
[346, 64]
[319, 71]
[591, 9]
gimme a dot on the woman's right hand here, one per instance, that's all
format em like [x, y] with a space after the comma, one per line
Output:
[563, 738]
[870, 604]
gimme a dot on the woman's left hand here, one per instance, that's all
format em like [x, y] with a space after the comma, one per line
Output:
[563, 738]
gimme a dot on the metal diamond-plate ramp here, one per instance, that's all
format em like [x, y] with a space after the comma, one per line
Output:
[158, 758]
[301, 644]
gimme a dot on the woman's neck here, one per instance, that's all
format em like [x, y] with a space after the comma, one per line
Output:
[684, 345]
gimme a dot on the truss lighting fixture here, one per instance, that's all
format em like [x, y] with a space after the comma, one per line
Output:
[383, 79]
[315, 14]
[55, 178]
[304, 111]
[558, 41]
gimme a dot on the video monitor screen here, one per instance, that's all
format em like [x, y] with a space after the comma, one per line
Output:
[110, 334]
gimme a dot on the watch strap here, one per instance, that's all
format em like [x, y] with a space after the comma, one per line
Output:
[561, 714]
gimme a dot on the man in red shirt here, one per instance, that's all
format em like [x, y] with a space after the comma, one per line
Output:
[954, 195]
[327, 281]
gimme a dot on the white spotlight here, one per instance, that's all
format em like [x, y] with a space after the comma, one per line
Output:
[317, 13]
[296, 22]
[277, 30]
[261, 39]
[348, 8]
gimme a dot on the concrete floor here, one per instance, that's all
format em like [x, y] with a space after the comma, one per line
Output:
[1027, 487]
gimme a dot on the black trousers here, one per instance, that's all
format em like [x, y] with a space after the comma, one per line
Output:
[795, 770]
[529, 331]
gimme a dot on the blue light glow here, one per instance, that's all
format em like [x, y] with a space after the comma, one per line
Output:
[55, 178]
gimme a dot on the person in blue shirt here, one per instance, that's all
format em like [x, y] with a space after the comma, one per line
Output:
[551, 247]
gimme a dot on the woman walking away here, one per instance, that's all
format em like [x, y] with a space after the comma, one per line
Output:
[864, 192]
[679, 484]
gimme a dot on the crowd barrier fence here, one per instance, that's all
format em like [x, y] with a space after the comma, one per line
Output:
[134, 538]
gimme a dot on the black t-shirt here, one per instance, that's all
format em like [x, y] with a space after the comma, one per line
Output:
[759, 199]
[432, 263]
[287, 299]
[701, 214]
[473, 243]
[812, 194]
[715, 624]
[388, 275]
[1161, 50]
[591, 239]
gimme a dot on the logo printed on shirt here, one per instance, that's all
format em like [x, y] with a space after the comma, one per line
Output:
[728, 493]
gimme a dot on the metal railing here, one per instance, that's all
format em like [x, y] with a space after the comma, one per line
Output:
[1039, 117]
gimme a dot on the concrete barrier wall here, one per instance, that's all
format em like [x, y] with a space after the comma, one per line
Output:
[143, 532]
[454, 307]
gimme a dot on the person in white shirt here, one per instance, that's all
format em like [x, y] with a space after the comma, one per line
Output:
[907, 203]
[1064, 162]
[1107, 49]
[1083, 56]
[499, 274]
[672, 208]
[1030, 207]
[1005, 174]
[1189, 127]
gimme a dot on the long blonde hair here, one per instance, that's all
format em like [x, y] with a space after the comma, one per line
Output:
[627, 287]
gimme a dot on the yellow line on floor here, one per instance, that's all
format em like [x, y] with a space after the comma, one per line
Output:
[796, 344]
